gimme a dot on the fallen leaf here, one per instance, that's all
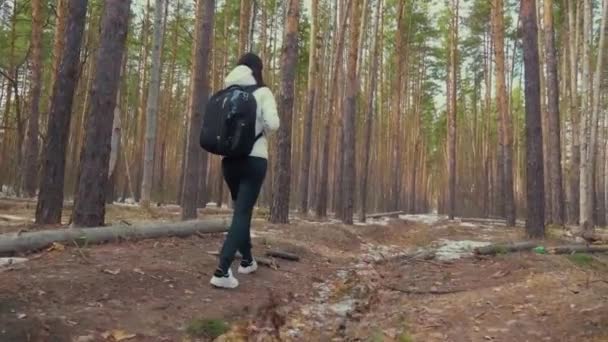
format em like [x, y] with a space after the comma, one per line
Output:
[117, 335]
[476, 328]
[139, 271]
[112, 272]
[188, 292]
[87, 338]
[500, 274]
[56, 246]
[21, 316]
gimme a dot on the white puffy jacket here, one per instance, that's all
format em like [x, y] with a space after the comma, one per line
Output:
[267, 115]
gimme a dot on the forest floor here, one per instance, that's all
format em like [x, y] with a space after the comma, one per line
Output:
[348, 286]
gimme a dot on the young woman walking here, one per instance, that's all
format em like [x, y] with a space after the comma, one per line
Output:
[245, 176]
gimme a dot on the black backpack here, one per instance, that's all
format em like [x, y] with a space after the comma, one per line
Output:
[228, 127]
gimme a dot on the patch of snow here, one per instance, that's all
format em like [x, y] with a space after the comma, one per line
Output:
[11, 261]
[429, 219]
[211, 204]
[128, 202]
[374, 222]
[468, 224]
[343, 307]
[451, 250]
[7, 191]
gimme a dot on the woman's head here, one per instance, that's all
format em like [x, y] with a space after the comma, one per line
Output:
[254, 63]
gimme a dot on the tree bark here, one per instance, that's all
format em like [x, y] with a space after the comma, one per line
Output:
[50, 197]
[279, 212]
[322, 198]
[594, 122]
[199, 94]
[535, 223]
[452, 111]
[30, 169]
[58, 41]
[555, 159]
[349, 119]
[505, 116]
[586, 183]
[369, 122]
[152, 106]
[313, 84]
[574, 179]
[89, 208]
[245, 20]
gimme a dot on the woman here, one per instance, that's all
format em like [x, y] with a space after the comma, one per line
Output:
[245, 176]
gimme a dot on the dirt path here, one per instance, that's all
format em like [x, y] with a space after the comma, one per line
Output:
[343, 289]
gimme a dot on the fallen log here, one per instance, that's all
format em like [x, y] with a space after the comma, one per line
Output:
[283, 255]
[387, 214]
[13, 218]
[491, 221]
[37, 240]
[506, 248]
[570, 249]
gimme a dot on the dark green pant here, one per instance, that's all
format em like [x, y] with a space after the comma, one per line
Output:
[244, 177]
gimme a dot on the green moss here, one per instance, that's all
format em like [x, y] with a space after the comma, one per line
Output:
[581, 259]
[211, 328]
[501, 250]
[405, 337]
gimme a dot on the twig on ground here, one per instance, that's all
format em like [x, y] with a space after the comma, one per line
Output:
[84, 257]
[283, 255]
[423, 292]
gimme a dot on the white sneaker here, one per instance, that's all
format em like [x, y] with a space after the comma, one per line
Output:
[252, 267]
[228, 281]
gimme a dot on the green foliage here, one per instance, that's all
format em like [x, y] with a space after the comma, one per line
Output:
[209, 328]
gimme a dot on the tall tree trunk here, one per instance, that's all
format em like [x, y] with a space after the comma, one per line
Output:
[595, 111]
[89, 208]
[452, 111]
[50, 197]
[313, 84]
[279, 212]
[199, 94]
[140, 127]
[535, 223]
[30, 169]
[58, 41]
[586, 182]
[505, 117]
[573, 187]
[397, 109]
[115, 148]
[245, 20]
[369, 122]
[152, 106]
[349, 119]
[555, 159]
[322, 198]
